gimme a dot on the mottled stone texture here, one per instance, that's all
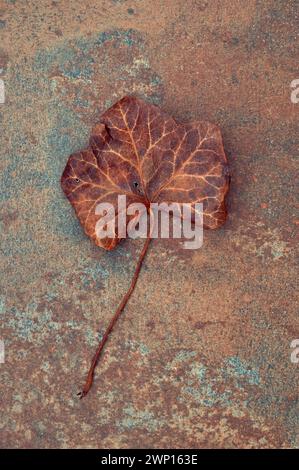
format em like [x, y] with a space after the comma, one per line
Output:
[201, 356]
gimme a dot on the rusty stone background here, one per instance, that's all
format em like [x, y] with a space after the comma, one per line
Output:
[201, 355]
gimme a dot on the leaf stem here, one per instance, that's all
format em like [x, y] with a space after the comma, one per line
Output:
[95, 359]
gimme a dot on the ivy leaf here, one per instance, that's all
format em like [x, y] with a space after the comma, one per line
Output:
[139, 151]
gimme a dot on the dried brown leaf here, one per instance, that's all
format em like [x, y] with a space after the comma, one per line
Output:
[139, 151]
